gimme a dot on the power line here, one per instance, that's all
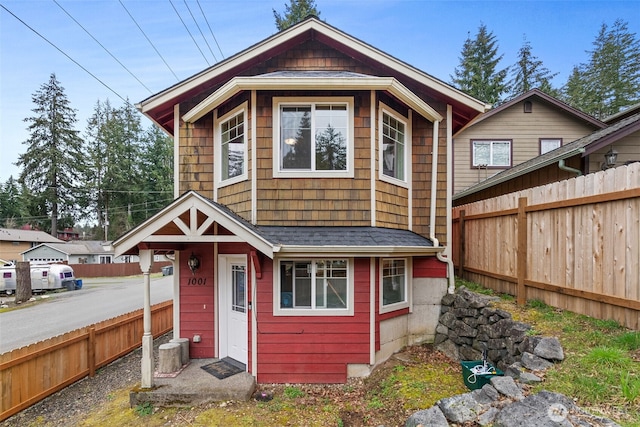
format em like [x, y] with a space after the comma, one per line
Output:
[210, 30]
[150, 42]
[102, 46]
[203, 37]
[65, 54]
[187, 28]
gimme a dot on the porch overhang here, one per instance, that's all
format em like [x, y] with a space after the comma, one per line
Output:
[190, 219]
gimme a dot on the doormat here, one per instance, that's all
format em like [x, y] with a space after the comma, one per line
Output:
[223, 368]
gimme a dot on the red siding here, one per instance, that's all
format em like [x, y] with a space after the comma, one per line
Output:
[197, 310]
[429, 267]
[311, 349]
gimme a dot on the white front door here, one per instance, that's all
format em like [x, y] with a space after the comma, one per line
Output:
[232, 282]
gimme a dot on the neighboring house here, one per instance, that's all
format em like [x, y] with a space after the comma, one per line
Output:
[14, 241]
[580, 157]
[514, 132]
[68, 234]
[77, 252]
[311, 233]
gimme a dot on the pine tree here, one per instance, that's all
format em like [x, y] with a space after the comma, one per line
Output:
[12, 210]
[610, 81]
[53, 162]
[529, 73]
[157, 162]
[294, 12]
[476, 74]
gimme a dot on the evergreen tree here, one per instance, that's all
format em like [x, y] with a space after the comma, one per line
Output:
[331, 150]
[529, 73]
[53, 162]
[477, 74]
[12, 210]
[294, 12]
[610, 81]
[157, 163]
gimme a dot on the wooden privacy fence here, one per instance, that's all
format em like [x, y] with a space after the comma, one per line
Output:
[573, 244]
[30, 374]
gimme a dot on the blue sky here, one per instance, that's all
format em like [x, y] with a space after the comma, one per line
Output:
[426, 34]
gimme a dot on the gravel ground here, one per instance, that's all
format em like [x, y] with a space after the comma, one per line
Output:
[65, 407]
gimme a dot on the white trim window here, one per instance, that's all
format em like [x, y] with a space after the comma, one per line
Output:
[393, 149]
[313, 137]
[313, 287]
[491, 153]
[394, 284]
[232, 149]
[549, 144]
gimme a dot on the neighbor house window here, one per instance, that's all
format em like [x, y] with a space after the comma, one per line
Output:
[321, 285]
[313, 137]
[393, 146]
[549, 144]
[394, 282]
[489, 153]
[105, 259]
[231, 151]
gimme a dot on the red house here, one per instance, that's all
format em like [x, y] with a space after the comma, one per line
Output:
[311, 222]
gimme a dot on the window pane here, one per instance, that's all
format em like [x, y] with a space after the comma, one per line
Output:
[295, 144]
[393, 147]
[302, 285]
[238, 288]
[331, 284]
[393, 281]
[547, 145]
[233, 147]
[501, 154]
[481, 152]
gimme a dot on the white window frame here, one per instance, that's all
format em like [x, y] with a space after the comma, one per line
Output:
[278, 311]
[241, 109]
[279, 102]
[407, 283]
[491, 142]
[549, 140]
[382, 110]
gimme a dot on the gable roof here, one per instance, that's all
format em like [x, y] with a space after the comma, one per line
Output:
[541, 96]
[583, 146]
[89, 247]
[31, 236]
[159, 107]
[191, 216]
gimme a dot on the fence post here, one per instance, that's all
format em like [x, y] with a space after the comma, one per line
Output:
[461, 244]
[521, 292]
[91, 352]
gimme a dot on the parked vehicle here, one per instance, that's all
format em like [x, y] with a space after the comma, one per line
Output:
[44, 277]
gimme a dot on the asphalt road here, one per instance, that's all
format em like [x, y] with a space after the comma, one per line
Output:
[99, 299]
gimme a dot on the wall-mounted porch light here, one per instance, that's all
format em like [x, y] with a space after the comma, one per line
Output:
[194, 263]
[610, 158]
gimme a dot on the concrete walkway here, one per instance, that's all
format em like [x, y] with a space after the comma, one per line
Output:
[194, 386]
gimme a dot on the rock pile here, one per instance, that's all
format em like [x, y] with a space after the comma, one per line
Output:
[468, 325]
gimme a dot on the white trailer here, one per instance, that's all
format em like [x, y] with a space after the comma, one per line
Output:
[44, 277]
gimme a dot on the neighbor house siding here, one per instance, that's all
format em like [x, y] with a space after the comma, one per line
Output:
[523, 129]
[311, 349]
[628, 149]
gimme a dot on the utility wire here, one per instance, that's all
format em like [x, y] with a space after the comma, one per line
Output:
[65, 54]
[187, 28]
[150, 42]
[210, 30]
[201, 33]
[102, 46]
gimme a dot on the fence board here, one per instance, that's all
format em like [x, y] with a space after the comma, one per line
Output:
[582, 249]
[31, 373]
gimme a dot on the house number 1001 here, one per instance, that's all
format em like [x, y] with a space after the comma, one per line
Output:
[197, 281]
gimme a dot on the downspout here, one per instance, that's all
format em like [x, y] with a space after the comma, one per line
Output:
[445, 255]
[434, 185]
[566, 168]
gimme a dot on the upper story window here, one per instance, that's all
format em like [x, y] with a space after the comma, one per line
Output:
[232, 149]
[394, 147]
[314, 137]
[394, 284]
[491, 153]
[314, 287]
[549, 144]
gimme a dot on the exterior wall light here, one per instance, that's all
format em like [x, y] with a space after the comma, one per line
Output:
[610, 158]
[194, 263]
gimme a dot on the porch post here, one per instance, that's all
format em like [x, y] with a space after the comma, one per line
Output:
[176, 295]
[146, 261]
